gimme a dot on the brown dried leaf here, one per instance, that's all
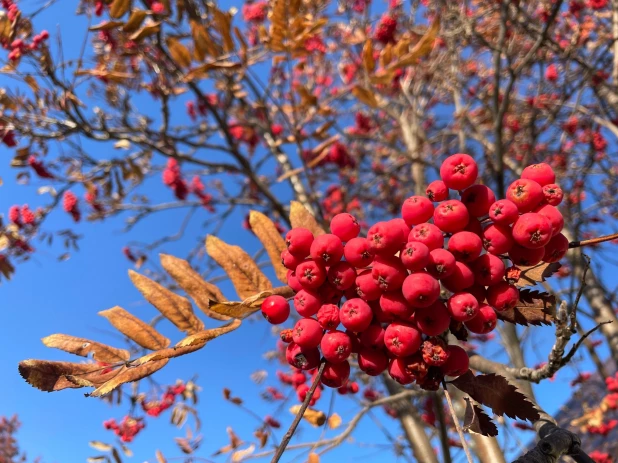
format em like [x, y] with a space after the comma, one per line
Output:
[223, 23]
[50, 376]
[204, 45]
[85, 347]
[334, 421]
[116, 455]
[278, 25]
[273, 242]
[422, 48]
[475, 420]
[301, 217]
[497, 393]
[180, 54]
[250, 305]
[128, 374]
[534, 308]
[135, 21]
[246, 276]
[368, 60]
[106, 26]
[201, 71]
[140, 332]
[195, 286]
[262, 436]
[146, 31]
[315, 417]
[175, 308]
[530, 276]
[101, 446]
[240, 455]
[205, 336]
[365, 96]
[118, 8]
[313, 458]
[160, 457]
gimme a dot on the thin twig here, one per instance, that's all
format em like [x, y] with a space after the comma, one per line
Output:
[600, 239]
[456, 421]
[571, 353]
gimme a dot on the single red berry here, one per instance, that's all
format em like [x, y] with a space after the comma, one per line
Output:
[462, 306]
[457, 363]
[372, 361]
[488, 270]
[502, 296]
[342, 275]
[416, 210]
[298, 240]
[428, 234]
[525, 193]
[433, 320]
[302, 358]
[465, 246]
[503, 212]
[307, 302]
[435, 352]
[556, 248]
[345, 226]
[310, 274]
[451, 216]
[526, 257]
[532, 230]
[366, 287]
[461, 278]
[484, 322]
[421, 289]
[437, 191]
[477, 199]
[441, 263]
[307, 333]
[388, 272]
[358, 252]
[402, 339]
[293, 282]
[401, 224]
[554, 216]
[328, 316]
[355, 315]
[289, 260]
[384, 238]
[275, 309]
[373, 336]
[414, 255]
[553, 194]
[397, 369]
[459, 171]
[326, 249]
[394, 304]
[335, 374]
[498, 239]
[541, 173]
[336, 346]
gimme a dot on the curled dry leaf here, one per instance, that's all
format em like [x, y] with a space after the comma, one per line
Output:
[534, 308]
[365, 96]
[422, 48]
[530, 276]
[273, 242]
[250, 305]
[369, 61]
[146, 31]
[51, 376]
[101, 446]
[244, 273]
[301, 217]
[180, 54]
[135, 21]
[476, 420]
[334, 421]
[118, 8]
[240, 455]
[175, 308]
[135, 329]
[85, 347]
[128, 374]
[314, 417]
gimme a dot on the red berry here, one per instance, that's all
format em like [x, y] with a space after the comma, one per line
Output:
[553, 194]
[307, 333]
[379, 315]
[554, 216]
[498, 239]
[355, 340]
[462, 306]
[342, 275]
[488, 270]
[414, 255]
[335, 374]
[366, 287]
[372, 361]
[302, 358]
[326, 249]
[465, 246]
[416, 210]
[437, 191]
[384, 238]
[556, 248]
[328, 316]
[289, 260]
[451, 216]
[433, 320]
[457, 363]
[345, 226]
[373, 336]
[541, 173]
[532, 230]
[477, 199]
[402, 339]
[484, 322]
[330, 294]
[397, 369]
[441, 263]
[336, 346]
[310, 274]
[293, 281]
[355, 315]
[428, 234]
[298, 241]
[388, 272]
[307, 303]
[526, 257]
[421, 289]
[275, 309]
[503, 212]
[461, 278]
[358, 252]
[435, 352]
[401, 224]
[394, 304]
[525, 193]
[478, 291]
[502, 296]
[459, 171]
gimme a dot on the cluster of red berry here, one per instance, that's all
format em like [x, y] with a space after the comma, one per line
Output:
[298, 380]
[20, 48]
[392, 279]
[127, 429]
[70, 204]
[156, 407]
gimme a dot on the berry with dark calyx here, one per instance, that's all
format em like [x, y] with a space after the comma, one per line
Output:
[484, 322]
[526, 257]
[398, 371]
[478, 199]
[434, 352]
[388, 272]
[525, 193]
[498, 239]
[310, 274]
[414, 255]
[541, 173]
[393, 303]
[428, 234]
[457, 362]
[366, 287]
[373, 336]
[441, 263]
[384, 238]
[461, 278]
[345, 226]
[289, 260]
[358, 252]
[335, 374]
[421, 289]
[554, 216]
[402, 339]
[451, 216]
[437, 191]
[298, 240]
[488, 270]
[465, 246]
[503, 212]
[556, 248]
[502, 296]
[286, 336]
[302, 358]
[459, 171]
[328, 316]
[336, 346]
[341, 275]
[307, 303]
[355, 315]
[553, 194]
[307, 333]
[416, 210]
[326, 249]
[433, 320]
[372, 361]
[532, 230]
[275, 309]
[462, 306]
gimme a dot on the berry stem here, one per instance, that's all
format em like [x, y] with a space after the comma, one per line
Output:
[292, 429]
[600, 239]
[456, 421]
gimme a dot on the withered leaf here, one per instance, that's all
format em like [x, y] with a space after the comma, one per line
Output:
[530, 276]
[475, 420]
[180, 54]
[243, 309]
[188, 279]
[135, 21]
[223, 24]
[334, 421]
[313, 458]
[244, 273]
[203, 337]
[422, 48]
[369, 61]
[365, 96]
[278, 25]
[534, 308]
[85, 347]
[240, 455]
[273, 242]
[497, 393]
[128, 374]
[262, 436]
[301, 217]
[134, 328]
[204, 45]
[235, 442]
[202, 70]
[101, 446]
[116, 455]
[118, 8]
[106, 25]
[160, 457]
[50, 376]
[175, 308]
[315, 417]
[146, 31]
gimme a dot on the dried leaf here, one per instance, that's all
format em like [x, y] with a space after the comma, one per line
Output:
[239, 455]
[530, 276]
[100, 446]
[122, 144]
[246, 276]
[365, 96]
[301, 217]
[534, 308]
[180, 54]
[315, 417]
[204, 45]
[175, 308]
[273, 242]
[32, 83]
[160, 457]
[85, 347]
[497, 393]
[135, 329]
[203, 337]
[118, 8]
[223, 23]
[201, 71]
[313, 458]
[334, 421]
[50, 376]
[116, 455]
[135, 21]
[250, 305]
[368, 60]
[188, 279]
[278, 25]
[128, 374]
[422, 48]
[475, 420]
[146, 31]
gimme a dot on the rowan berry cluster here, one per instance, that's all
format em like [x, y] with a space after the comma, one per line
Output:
[399, 289]
[168, 398]
[127, 429]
